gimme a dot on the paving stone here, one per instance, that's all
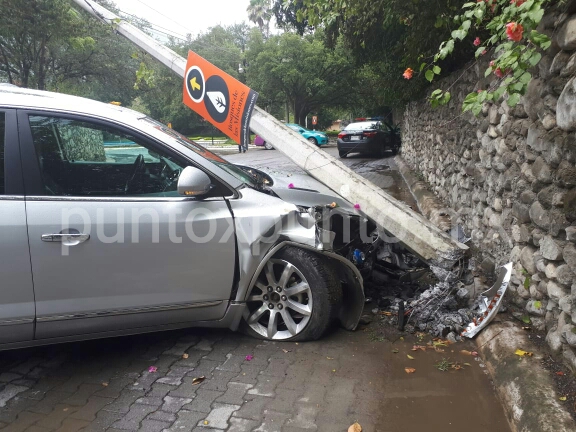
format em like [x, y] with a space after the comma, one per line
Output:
[205, 368]
[46, 405]
[305, 417]
[180, 348]
[266, 386]
[253, 408]
[150, 400]
[175, 375]
[14, 407]
[90, 409]
[9, 392]
[249, 375]
[153, 426]
[242, 425]
[284, 401]
[174, 404]
[219, 380]
[160, 390]
[218, 417]
[235, 393]
[132, 418]
[203, 400]
[104, 419]
[114, 387]
[125, 401]
[186, 389]
[80, 397]
[23, 421]
[162, 416]
[233, 363]
[72, 425]
[277, 367]
[272, 422]
[56, 417]
[6, 377]
[186, 421]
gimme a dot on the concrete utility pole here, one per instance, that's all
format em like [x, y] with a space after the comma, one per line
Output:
[410, 228]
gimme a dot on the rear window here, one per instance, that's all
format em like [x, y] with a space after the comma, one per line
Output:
[362, 126]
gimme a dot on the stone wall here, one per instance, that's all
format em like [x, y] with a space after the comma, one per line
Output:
[509, 176]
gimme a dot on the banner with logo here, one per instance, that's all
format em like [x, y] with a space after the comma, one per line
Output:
[219, 98]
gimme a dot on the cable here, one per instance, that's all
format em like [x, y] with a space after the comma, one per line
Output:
[160, 13]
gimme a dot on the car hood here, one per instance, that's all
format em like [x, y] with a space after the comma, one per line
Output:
[305, 191]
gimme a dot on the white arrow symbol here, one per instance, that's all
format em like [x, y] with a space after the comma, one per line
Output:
[218, 100]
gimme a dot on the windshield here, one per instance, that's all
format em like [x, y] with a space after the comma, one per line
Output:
[231, 169]
[362, 126]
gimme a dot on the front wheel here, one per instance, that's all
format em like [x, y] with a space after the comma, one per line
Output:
[268, 146]
[342, 153]
[296, 297]
[313, 140]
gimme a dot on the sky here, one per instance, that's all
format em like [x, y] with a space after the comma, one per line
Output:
[187, 16]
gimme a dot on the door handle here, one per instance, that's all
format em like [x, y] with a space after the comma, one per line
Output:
[67, 239]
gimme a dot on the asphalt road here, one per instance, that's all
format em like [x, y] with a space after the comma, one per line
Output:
[148, 382]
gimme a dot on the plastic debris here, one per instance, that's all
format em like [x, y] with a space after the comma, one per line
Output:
[355, 428]
[152, 369]
[409, 370]
[291, 186]
[523, 353]
[248, 357]
[198, 380]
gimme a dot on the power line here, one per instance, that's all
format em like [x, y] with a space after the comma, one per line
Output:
[160, 13]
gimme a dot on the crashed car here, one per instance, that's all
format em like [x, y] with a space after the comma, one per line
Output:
[115, 224]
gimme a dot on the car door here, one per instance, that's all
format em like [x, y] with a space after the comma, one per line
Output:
[16, 290]
[112, 244]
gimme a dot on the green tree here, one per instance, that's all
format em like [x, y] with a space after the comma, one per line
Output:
[301, 70]
[259, 13]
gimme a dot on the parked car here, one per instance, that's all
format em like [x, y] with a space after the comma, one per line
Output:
[259, 141]
[113, 224]
[316, 138]
[368, 137]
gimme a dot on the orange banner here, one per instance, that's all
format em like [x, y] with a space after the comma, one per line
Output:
[219, 98]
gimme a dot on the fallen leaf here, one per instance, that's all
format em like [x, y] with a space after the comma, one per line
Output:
[560, 373]
[466, 352]
[467, 364]
[395, 351]
[66, 409]
[386, 313]
[410, 370]
[330, 358]
[418, 347]
[409, 356]
[562, 398]
[248, 357]
[355, 428]
[474, 353]
[152, 369]
[198, 380]
[286, 351]
[523, 353]
[104, 384]
[206, 422]
[185, 356]
[333, 370]
[401, 338]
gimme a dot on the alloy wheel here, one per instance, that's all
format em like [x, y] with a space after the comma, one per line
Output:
[280, 302]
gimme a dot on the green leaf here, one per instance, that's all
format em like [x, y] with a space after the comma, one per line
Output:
[525, 319]
[446, 98]
[468, 5]
[479, 51]
[518, 87]
[525, 78]
[422, 66]
[479, 13]
[513, 100]
[534, 59]
[537, 304]
[436, 92]
[488, 72]
[466, 25]
[477, 109]
[436, 70]
[429, 75]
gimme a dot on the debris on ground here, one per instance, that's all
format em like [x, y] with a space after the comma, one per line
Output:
[416, 297]
[355, 428]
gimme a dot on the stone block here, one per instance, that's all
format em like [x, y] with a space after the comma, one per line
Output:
[527, 259]
[550, 249]
[566, 37]
[566, 108]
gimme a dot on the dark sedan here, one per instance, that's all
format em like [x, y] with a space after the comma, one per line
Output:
[368, 137]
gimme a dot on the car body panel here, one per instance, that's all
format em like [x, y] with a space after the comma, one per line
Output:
[320, 137]
[364, 137]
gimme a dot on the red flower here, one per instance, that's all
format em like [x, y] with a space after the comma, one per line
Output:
[477, 41]
[408, 73]
[498, 72]
[518, 3]
[514, 31]
[484, 52]
[492, 63]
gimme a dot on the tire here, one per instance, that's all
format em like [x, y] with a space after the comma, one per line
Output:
[342, 153]
[268, 146]
[381, 152]
[395, 149]
[313, 140]
[312, 309]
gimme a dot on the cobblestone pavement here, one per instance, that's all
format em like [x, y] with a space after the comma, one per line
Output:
[317, 386]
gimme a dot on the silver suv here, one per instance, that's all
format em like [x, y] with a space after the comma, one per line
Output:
[111, 224]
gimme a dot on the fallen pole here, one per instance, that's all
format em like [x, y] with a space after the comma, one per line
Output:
[399, 220]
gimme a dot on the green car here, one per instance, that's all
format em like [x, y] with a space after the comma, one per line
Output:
[317, 138]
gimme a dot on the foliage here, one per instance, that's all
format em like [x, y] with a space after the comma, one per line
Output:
[259, 13]
[47, 44]
[511, 27]
[300, 69]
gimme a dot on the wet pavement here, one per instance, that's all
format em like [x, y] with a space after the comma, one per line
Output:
[381, 172]
[148, 382]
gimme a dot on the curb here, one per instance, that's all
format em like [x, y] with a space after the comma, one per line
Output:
[428, 204]
[523, 385]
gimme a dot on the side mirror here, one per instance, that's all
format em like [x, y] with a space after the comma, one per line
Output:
[193, 182]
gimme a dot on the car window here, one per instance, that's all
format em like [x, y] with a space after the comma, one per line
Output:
[2, 141]
[296, 128]
[362, 126]
[78, 158]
